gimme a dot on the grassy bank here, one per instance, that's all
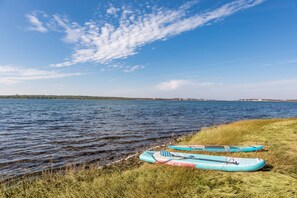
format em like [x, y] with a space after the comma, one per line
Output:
[136, 179]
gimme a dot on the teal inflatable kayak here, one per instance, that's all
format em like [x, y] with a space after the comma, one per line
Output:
[208, 162]
[216, 148]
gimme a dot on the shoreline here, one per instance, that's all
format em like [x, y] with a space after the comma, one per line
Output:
[130, 159]
[81, 97]
[129, 177]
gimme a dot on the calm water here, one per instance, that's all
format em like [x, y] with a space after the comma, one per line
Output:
[40, 134]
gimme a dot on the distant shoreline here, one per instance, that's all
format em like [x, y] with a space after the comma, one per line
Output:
[79, 97]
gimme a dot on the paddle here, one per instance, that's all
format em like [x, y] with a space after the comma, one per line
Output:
[195, 158]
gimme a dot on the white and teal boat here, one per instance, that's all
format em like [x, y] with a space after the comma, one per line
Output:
[208, 162]
[222, 148]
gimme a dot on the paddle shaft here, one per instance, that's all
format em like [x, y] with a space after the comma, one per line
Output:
[192, 157]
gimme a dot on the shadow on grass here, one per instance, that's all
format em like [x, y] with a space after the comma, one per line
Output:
[262, 151]
[267, 167]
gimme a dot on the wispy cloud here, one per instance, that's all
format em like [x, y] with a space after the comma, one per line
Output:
[112, 10]
[107, 41]
[73, 31]
[35, 23]
[122, 67]
[129, 69]
[11, 74]
[173, 85]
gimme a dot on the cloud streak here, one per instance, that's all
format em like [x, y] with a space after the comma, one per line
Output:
[173, 85]
[105, 42]
[36, 24]
[11, 74]
[130, 69]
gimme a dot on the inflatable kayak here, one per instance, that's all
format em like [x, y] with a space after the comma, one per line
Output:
[208, 162]
[217, 148]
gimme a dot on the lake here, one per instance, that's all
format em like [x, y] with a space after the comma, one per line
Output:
[37, 135]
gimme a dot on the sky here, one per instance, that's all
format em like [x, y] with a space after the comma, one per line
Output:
[211, 49]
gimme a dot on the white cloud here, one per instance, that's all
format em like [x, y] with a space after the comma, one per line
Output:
[73, 30]
[11, 74]
[112, 10]
[36, 24]
[122, 67]
[172, 85]
[129, 69]
[108, 41]
[64, 64]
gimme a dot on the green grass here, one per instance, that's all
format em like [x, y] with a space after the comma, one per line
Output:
[133, 178]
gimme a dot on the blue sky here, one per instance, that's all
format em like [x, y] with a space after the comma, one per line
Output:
[214, 49]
